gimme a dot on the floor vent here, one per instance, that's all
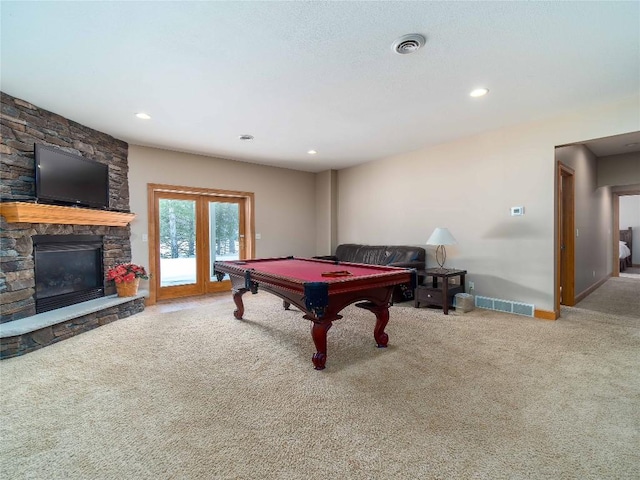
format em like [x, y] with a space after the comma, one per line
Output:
[505, 306]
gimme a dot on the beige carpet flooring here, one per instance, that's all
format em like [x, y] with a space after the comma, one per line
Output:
[192, 393]
[618, 296]
[631, 272]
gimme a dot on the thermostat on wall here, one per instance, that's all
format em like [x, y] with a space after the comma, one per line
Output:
[515, 211]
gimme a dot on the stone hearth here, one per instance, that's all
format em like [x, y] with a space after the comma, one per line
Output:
[31, 333]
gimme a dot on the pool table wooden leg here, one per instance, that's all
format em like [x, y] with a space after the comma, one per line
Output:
[237, 298]
[382, 318]
[319, 334]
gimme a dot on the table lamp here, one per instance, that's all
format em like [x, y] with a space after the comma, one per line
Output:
[441, 237]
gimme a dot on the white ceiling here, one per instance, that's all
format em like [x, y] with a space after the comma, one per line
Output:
[315, 75]
[616, 145]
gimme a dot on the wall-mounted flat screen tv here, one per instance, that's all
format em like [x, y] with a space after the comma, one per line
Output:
[69, 179]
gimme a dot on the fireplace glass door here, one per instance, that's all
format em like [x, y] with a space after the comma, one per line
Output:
[68, 270]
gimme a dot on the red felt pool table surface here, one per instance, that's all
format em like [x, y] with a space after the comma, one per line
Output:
[310, 270]
[300, 282]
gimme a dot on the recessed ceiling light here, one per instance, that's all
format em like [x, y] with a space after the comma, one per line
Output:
[246, 138]
[479, 92]
[143, 116]
[312, 152]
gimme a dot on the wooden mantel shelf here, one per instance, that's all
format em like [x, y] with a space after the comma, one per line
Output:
[15, 212]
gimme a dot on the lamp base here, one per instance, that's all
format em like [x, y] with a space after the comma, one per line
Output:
[441, 253]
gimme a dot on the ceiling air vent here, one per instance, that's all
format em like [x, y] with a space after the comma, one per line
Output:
[408, 43]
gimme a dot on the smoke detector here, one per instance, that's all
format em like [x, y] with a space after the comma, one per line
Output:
[408, 43]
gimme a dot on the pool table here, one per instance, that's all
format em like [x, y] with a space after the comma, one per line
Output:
[320, 289]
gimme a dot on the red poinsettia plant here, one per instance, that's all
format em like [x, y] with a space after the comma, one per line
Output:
[126, 272]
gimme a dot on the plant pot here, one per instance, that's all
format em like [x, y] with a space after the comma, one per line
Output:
[128, 289]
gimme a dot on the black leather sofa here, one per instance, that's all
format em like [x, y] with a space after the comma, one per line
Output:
[405, 256]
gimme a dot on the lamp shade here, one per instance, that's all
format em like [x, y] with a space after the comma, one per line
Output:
[441, 236]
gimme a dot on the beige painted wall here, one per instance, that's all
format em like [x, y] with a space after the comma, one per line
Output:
[284, 199]
[469, 186]
[623, 169]
[326, 212]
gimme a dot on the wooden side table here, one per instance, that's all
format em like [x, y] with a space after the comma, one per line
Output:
[439, 292]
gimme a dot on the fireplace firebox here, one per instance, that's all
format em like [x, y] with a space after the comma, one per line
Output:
[68, 270]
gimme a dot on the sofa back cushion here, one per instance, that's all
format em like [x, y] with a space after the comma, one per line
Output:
[404, 254]
[379, 254]
[347, 252]
[352, 252]
[373, 255]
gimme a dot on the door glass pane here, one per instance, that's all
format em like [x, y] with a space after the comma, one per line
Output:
[177, 242]
[224, 233]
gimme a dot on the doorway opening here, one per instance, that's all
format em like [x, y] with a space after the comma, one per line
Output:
[618, 230]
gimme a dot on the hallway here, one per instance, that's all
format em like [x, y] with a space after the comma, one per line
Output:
[617, 296]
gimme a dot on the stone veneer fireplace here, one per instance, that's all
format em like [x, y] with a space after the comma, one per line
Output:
[22, 221]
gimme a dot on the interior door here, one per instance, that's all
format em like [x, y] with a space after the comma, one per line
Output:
[191, 232]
